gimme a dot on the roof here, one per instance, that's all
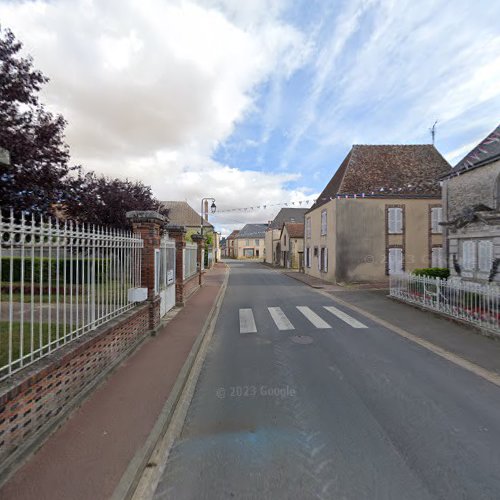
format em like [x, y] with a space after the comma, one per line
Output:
[182, 214]
[294, 229]
[233, 234]
[484, 153]
[288, 215]
[388, 170]
[253, 231]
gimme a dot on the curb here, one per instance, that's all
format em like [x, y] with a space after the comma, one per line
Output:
[130, 479]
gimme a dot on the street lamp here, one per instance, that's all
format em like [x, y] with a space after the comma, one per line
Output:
[213, 208]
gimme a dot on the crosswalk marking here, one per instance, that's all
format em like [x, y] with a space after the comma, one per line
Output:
[280, 319]
[247, 322]
[345, 317]
[313, 317]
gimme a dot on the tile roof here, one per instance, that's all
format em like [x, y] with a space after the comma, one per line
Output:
[233, 234]
[253, 231]
[294, 229]
[388, 170]
[181, 213]
[288, 215]
[484, 153]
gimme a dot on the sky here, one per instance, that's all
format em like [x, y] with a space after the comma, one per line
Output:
[257, 102]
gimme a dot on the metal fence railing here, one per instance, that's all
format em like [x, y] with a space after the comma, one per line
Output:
[473, 302]
[190, 260]
[58, 282]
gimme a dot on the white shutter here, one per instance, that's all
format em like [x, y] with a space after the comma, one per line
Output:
[399, 220]
[395, 260]
[325, 263]
[436, 218]
[485, 255]
[395, 220]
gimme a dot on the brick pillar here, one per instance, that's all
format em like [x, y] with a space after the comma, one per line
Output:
[148, 225]
[178, 233]
[200, 254]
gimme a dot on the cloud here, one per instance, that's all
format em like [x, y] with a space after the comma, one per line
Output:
[151, 88]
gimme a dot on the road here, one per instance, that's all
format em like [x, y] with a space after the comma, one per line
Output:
[336, 408]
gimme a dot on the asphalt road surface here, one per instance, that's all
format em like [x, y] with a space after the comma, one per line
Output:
[296, 401]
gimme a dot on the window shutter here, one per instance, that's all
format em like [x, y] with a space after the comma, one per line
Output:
[325, 263]
[436, 218]
[391, 221]
[399, 220]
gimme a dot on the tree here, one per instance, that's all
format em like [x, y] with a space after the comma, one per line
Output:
[100, 200]
[33, 136]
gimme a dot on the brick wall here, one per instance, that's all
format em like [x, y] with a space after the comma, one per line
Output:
[31, 400]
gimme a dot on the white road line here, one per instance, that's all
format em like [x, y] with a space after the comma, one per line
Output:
[280, 319]
[247, 322]
[345, 317]
[313, 317]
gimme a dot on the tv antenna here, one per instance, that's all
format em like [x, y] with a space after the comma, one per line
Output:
[433, 132]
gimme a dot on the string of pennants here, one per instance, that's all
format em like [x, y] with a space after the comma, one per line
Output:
[300, 203]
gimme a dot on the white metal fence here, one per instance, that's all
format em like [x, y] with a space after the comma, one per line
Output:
[58, 282]
[190, 260]
[472, 302]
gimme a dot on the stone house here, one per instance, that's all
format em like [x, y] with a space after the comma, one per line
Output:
[471, 201]
[378, 215]
[249, 243]
[291, 245]
[273, 232]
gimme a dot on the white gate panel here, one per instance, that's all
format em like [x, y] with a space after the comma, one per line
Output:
[166, 275]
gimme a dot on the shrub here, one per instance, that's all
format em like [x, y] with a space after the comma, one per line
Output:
[41, 269]
[433, 272]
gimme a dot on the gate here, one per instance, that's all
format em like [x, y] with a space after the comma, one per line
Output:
[165, 274]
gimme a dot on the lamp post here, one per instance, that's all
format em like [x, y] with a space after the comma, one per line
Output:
[213, 208]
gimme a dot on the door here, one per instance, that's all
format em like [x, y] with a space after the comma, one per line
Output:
[395, 260]
[166, 275]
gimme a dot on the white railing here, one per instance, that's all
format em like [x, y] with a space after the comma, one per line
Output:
[476, 303]
[190, 260]
[58, 282]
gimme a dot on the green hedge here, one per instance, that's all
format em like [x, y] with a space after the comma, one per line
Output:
[42, 265]
[433, 272]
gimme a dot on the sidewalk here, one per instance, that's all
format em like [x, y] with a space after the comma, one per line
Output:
[462, 340]
[87, 456]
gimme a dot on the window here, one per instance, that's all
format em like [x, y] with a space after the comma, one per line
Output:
[315, 251]
[437, 257]
[247, 243]
[308, 257]
[323, 261]
[395, 260]
[395, 220]
[257, 243]
[308, 227]
[485, 255]
[436, 218]
[469, 255]
[323, 222]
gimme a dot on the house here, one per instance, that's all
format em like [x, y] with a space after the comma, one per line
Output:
[291, 245]
[378, 215]
[231, 247]
[181, 213]
[249, 243]
[471, 201]
[223, 247]
[274, 228]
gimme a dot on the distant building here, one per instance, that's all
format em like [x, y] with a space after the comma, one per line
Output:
[378, 215]
[273, 232]
[471, 200]
[249, 243]
[231, 247]
[291, 245]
